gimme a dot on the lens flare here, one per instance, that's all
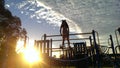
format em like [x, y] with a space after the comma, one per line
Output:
[20, 46]
[31, 55]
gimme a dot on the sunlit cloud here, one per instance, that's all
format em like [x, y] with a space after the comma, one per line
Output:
[32, 9]
[55, 18]
[88, 15]
[39, 4]
[22, 12]
[81, 15]
[7, 5]
[46, 13]
[22, 5]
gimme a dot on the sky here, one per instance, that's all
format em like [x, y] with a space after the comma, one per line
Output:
[44, 16]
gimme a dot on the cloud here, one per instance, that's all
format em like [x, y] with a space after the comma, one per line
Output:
[7, 5]
[41, 11]
[86, 15]
[89, 14]
[55, 18]
[22, 5]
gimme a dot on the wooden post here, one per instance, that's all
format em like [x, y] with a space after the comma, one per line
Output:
[44, 43]
[51, 48]
[40, 46]
[113, 50]
[97, 50]
[47, 47]
[25, 41]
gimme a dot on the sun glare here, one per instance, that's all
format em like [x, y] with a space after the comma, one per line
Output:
[20, 46]
[31, 55]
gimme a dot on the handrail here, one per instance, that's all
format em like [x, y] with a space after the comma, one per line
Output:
[72, 39]
[69, 34]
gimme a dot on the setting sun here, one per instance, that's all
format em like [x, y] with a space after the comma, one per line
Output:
[31, 55]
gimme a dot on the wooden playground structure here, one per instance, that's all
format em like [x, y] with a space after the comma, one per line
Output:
[83, 53]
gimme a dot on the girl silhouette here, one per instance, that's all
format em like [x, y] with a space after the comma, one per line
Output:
[64, 31]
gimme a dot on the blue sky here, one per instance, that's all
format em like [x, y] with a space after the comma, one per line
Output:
[44, 16]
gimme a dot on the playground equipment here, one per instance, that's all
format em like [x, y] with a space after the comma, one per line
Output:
[84, 52]
[113, 59]
[116, 34]
[78, 55]
[116, 59]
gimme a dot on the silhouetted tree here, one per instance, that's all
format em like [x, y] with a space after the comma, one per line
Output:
[10, 32]
[2, 2]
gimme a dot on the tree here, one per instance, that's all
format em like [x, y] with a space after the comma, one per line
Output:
[10, 32]
[2, 2]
